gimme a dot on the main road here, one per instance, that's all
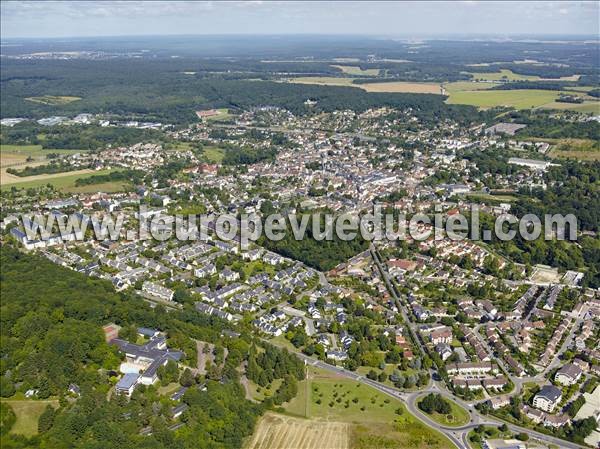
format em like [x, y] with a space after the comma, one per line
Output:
[458, 435]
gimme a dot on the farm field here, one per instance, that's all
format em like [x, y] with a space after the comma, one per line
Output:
[585, 107]
[456, 418]
[324, 81]
[404, 87]
[61, 181]
[53, 100]
[508, 75]
[374, 419]
[519, 99]
[276, 431]
[356, 70]
[27, 413]
[468, 92]
[399, 86]
[460, 86]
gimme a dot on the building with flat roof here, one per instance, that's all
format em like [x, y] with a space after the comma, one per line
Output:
[127, 383]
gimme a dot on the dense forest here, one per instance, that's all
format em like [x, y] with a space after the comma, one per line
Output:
[320, 254]
[76, 137]
[162, 92]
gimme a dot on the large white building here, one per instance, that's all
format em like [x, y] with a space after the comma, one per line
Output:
[547, 398]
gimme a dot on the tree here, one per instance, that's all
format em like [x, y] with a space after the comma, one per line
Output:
[46, 419]
[7, 388]
[187, 378]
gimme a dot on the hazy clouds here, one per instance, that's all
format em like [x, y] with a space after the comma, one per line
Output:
[59, 19]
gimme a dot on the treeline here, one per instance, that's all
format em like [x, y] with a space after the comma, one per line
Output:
[132, 176]
[248, 155]
[542, 85]
[48, 169]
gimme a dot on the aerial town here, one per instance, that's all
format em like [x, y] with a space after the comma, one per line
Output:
[138, 335]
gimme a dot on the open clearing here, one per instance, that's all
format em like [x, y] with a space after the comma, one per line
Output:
[214, 154]
[53, 100]
[27, 413]
[284, 432]
[375, 420]
[580, 149]
[356, 70]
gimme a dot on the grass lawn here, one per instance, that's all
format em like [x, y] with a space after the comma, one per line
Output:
[214, 154]
[27, 412]
[168, 390]
[377, 419]
[259, 393]
[457, 417]
[492, 198]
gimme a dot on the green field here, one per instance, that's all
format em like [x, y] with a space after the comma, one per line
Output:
[214, 154]
[378, 420]
[456, 418]
[27, 413]
[592, 107]
[53, 100]
[64, 182]
[461, 86]
[580, 149]
[33, 150]
[518, 99]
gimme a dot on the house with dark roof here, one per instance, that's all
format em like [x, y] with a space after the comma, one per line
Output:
[547, 398]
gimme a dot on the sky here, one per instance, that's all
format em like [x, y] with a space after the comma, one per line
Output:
[427, 18]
